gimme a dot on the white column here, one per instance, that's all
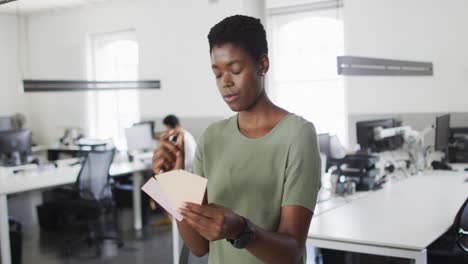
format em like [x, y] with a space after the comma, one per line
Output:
[176, 242]
[4, 231]
[137, 180]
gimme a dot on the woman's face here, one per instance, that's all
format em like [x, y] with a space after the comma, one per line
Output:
[238, 77]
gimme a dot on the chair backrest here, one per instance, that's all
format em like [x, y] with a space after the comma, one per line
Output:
[461, 227]
[93, 179]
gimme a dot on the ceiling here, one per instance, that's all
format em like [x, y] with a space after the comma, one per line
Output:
[37, 6]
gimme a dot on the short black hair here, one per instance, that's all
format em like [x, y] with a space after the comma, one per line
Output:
[243, 31]
[171, 121]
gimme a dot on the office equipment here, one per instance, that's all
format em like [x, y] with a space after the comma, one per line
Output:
[15, 146]
[365, 131]
[149, 122]
[5, 123]
[391, 221]
[458, 147]
[442, 133]
[360, 169]
[139, 138]
[71, 135]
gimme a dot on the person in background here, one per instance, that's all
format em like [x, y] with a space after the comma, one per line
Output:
[172, 123]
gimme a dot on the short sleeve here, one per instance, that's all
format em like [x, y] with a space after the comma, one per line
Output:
[198, 168]
[303, 169]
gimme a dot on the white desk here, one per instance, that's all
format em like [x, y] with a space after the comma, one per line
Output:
[400, 220]
[34, 179]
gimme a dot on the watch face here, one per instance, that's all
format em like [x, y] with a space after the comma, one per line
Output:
[247, 236]
[245, 239]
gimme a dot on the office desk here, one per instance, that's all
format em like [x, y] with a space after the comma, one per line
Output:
[35, 179]
[23, 182]
[401, 220]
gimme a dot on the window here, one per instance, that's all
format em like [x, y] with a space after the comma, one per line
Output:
[114, 57]
[304, 77]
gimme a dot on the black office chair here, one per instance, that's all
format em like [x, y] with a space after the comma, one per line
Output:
[91, 201]
[452, 247]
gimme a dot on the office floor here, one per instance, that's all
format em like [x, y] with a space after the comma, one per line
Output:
[152, 245]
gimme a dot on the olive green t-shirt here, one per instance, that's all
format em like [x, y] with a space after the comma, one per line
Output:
[256, 177]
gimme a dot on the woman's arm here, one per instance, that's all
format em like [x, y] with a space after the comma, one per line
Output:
[287, 244]
[284, 245]
[197, 244]
[170, 156]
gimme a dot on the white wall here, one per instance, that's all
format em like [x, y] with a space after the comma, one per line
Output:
[417, 30]
[12, 98]
[173, 48]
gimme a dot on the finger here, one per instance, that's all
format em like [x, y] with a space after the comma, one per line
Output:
[166, 135]
[202, 210]
[213, 205]
[159, 164]
[180, 140]
[206, 227]
[167, 155]
[170, 146]
[205, 233]
[197, 220]
[180, 160]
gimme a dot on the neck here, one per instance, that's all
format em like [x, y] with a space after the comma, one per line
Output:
[263, 111]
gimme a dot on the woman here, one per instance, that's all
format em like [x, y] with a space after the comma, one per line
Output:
[262, 165]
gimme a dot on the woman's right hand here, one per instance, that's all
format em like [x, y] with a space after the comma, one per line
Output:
[168, 155]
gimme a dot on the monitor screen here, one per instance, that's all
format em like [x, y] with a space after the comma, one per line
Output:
[139, 137]
[5, 123]
[365, 135]
[14, 145]
[442, 133]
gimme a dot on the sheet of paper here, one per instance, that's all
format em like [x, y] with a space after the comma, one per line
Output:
[152, 188]
[181, 186]
[172, 188]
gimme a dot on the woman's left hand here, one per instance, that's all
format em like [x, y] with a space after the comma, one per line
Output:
[212, 221]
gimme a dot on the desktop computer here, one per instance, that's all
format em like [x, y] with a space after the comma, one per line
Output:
[15, 146]
[442, 133]
[366, 135]
[6, 123]
[140, 143]
[139, 138]
[442, 140]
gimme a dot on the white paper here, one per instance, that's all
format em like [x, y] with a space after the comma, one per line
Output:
[172, 188]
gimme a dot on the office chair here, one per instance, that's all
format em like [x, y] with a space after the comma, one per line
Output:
[452, 247]
[91, 201]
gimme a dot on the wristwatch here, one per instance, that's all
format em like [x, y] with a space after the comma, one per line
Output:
[247, 235]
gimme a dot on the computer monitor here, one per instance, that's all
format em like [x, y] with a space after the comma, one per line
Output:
[442, 133]
[139, 138]
[15, 146]
[151, 123]
[5, 123]
[365, 135]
